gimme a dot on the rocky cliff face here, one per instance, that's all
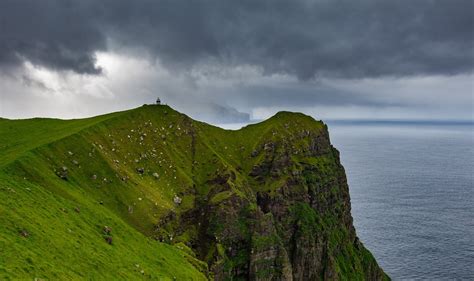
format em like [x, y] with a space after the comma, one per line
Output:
[283, 213]
[267, 202]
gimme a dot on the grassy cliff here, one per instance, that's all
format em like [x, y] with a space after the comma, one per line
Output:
[150, 193]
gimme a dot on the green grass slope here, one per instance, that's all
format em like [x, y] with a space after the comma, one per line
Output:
[64, 220]
[144, 174]
[19, 136]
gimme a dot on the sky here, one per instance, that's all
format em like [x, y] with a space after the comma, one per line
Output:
[227, 61]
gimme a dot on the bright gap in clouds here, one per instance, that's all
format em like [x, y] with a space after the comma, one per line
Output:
[228, 94]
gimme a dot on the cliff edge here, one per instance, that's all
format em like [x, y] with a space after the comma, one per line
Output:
[267, 202]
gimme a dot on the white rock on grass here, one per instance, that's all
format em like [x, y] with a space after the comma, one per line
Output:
[177, 200]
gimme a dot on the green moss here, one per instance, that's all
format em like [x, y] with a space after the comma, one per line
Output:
[220, 250]
[221, 196]
[306, 219]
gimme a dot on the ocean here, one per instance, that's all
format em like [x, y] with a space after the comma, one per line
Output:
[412, 195]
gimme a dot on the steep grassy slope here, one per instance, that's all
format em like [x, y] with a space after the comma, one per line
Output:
[64, 219]
[183, 200]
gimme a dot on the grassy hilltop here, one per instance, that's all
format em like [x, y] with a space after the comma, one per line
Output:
[150, 193]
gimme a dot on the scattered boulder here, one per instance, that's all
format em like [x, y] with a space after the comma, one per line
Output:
[107, 229]
[75, 162]
[269, 146]
[62, 173]
[296, 173]
[94, 177]
[141, 170]
[156, 175]
[24, 233]
[77, 209]
[177, 200]
[108, 239]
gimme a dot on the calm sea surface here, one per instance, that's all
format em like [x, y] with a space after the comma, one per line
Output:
[412, 192]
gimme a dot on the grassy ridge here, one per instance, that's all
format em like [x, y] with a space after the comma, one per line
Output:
[98, 153]
[64, 219]
[64, 184]
[19, 136]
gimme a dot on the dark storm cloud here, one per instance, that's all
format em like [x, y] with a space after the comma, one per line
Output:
[60, 35]
[342, 38]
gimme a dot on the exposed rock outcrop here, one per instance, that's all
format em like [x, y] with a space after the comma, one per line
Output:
[292, 223]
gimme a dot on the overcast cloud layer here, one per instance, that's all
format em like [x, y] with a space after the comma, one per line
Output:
[229, 61]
